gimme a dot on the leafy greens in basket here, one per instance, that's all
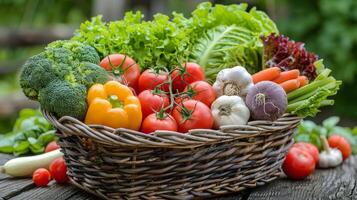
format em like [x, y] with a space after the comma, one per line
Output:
[214, 36]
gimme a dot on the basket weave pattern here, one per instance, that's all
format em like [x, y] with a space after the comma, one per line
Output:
[126, 164]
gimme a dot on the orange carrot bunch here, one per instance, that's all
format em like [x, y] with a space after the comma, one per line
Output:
[288, 80]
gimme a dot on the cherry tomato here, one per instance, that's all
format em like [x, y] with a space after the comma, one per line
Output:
[149, 79]
[201, 91]
[51, 146]
[41, 177]
[189, 73]
[339, 142]
[192, 114]
[123, 67]
[298, 164]
[58, 170]
[151, 102]
[310, 148]
[153, 122]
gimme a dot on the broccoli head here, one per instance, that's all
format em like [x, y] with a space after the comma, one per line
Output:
[64, 99]
[60, 76]
[81, 52]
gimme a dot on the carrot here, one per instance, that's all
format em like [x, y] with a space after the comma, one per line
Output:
[266, 74]
[290, 85]
[303, 80]
[287, 75]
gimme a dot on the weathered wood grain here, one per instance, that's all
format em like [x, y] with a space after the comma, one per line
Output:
[331, 184]
[338, 183]
[53, 192]
[11, 187]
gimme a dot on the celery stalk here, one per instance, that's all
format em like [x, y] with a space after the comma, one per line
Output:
[309, 88]
[328, 86]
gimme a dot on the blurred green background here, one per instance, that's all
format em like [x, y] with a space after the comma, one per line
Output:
[328, 27]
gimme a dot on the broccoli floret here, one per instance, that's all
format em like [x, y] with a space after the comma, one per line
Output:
[60, 55]
[64, 99]
[92, 73]
[36, 73]
[81, 52]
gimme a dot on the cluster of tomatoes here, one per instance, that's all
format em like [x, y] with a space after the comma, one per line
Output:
[57, 170]
[177, 100]
[303, 158]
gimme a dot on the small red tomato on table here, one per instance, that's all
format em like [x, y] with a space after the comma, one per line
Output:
[150, 79]
[52, 146]
[192, 114]
[158, 121]
[339, 142]
[188, 73]
[58, 170]
[298, 164]
[122, 67]
[310, 148]
[152, 101]
[41, 177]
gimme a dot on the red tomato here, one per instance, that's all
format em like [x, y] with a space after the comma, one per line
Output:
[51, 146]
[58, 170]
[41, 177]
[149, 80]
[190, 73]
[339, 142]
[202, 91]
[151, 102]
[298, 164]
[192, 114]
[152, 123]
[310, 148]
[124, 67]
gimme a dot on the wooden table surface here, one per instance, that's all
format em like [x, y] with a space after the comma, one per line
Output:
[338, 183]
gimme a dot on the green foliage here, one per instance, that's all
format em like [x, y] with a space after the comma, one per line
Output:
[328, 28]
[39, 13]
[31, 133]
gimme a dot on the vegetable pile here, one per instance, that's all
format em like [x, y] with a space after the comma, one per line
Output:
[223, 65]
[313, 149]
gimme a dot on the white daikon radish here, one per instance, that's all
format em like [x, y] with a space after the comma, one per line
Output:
[25, 166]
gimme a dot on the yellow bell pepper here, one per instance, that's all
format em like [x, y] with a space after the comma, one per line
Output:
[113, 104]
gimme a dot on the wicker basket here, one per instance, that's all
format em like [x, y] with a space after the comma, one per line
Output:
[126, 164]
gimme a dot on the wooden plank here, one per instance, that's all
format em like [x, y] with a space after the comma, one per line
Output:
[54, 192]
[338, 183]
[10, 187]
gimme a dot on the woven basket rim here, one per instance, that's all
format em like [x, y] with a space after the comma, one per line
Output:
[193, 138]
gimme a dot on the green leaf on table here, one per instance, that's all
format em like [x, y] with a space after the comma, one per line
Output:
[47, 137]
[34, 143]
[303, 137]
[330, 122]
[306, 126]
[20, 146]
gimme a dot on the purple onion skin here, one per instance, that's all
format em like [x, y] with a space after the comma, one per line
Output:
[266, 101]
